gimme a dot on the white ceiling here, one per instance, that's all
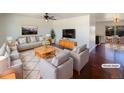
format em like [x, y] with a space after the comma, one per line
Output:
[99, 16]
[108, 16]
[56, 15]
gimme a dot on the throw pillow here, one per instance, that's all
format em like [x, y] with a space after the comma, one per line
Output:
[22, 40]
[40, 38]
[81, 48]
[33, 39]
[60, 59]
[2, 49]
[7, 58]
[8, 49]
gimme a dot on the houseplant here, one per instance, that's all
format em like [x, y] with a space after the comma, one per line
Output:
[53, 36]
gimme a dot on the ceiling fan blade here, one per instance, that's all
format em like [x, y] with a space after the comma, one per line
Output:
[52, 18]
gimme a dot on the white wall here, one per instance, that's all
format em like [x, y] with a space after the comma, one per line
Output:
[13, 22]
[81, 24]
[92, 31]
[84, 25]
[2, 29]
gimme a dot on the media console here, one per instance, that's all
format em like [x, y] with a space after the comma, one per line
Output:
[67, 43]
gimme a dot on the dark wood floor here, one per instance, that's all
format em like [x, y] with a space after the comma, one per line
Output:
[99, 56]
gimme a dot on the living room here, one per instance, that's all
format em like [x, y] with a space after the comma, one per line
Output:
[13, 24]
[63, 46]
[26, 34]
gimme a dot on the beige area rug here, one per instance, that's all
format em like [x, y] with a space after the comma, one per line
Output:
[31, 68]
[31, 64]
[114, 46]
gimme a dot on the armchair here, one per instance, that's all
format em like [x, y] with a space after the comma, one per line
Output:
[61, 67]
[80, 55]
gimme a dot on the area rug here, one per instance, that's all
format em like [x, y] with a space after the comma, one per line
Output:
[31, 64]
[31, 68]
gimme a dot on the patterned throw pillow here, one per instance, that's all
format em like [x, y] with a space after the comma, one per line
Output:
[22, 40]
[33, 39]
[2, 49]
[40, 38]
[8, 49]
[7, 58]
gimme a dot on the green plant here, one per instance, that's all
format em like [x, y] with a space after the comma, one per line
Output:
[53, 35]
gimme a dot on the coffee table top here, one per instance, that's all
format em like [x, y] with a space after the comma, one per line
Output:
[44, 50]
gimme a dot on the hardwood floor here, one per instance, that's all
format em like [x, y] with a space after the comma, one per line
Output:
[99, 56]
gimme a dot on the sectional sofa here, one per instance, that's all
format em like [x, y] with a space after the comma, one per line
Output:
[12, 60]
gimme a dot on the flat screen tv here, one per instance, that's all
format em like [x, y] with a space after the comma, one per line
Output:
[29, 30]
[69, 33]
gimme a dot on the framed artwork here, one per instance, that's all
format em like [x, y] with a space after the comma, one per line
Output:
[29, 30]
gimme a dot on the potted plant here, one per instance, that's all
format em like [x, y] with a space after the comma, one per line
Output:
[53, 36]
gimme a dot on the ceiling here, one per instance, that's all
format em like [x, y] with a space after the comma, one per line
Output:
[108, 16]
[57, 15]
[99, 16]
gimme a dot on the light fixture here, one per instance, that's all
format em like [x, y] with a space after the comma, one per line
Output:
[47, 17]
[116, 20]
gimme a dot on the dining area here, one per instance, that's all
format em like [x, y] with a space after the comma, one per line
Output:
[115, 41]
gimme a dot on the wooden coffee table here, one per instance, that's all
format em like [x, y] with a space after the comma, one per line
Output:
[43, 52]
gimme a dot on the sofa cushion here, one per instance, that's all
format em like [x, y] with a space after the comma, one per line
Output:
[16, 62]
[60, 58]
[28, 39]
[14, 55]
[13, 48]
[8, 49]
[33, 39]
[2, 49]
[3, 64]
[7, 58]
[22, 40]
[79, 49]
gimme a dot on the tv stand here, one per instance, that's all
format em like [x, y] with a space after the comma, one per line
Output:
[67, 43]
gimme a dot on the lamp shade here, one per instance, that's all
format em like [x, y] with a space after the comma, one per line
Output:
[48, 35]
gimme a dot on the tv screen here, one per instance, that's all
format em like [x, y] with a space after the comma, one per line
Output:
[69, 33]
[29, 30]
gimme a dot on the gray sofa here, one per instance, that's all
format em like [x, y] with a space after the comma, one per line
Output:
[12, 60]
[29, 42]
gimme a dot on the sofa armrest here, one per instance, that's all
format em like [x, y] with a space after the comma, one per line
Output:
[48, 71]
[17, 64]
[15, 55]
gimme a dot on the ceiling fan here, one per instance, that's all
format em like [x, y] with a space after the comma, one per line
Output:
[47, 17]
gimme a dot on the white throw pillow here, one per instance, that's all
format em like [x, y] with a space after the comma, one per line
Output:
[33, 39]
[60, 58]
[22, 40]
[81, 48]
[8, 49]
[7, 58]
[40, 38]
[2, 50]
